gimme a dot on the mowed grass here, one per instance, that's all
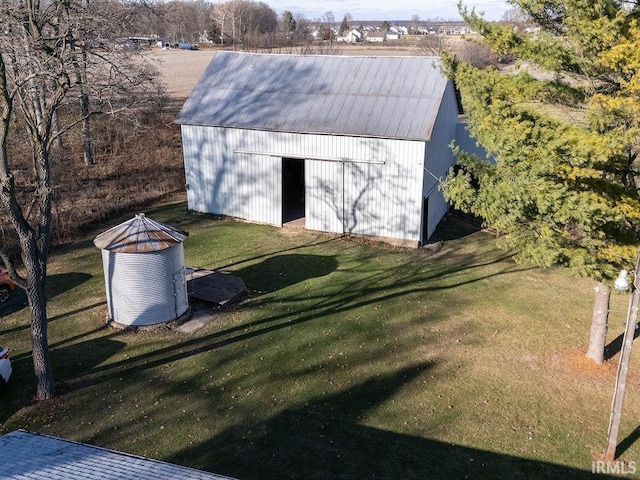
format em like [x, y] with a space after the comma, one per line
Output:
[345, 360]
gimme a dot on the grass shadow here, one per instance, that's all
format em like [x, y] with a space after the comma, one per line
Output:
[16, 302]
[56, 285]
[455, 225]
[329, 439]
[68, 360]
[615, 346]
[281, 271]
[62, 282]
[625, 444]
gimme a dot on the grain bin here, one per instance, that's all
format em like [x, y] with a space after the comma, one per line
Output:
[144, 272]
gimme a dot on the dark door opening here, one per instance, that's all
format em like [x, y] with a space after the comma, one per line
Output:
[292, 189]
[425, 220]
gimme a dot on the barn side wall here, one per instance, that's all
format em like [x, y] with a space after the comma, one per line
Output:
[438, 159]
[353, 185]
[467, 143]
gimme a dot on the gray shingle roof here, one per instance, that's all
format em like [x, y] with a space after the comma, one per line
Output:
[29, 456]
[385, 97]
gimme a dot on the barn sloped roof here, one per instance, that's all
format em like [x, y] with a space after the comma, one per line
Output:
[385, 97]
[139, 235]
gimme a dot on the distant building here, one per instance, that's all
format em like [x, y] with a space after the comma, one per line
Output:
[376, 37]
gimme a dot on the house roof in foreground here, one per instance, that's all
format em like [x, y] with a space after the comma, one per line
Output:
[30, 456]
[385, 97]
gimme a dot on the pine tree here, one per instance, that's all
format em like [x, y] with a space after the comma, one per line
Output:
[561, 128]
[344, 26]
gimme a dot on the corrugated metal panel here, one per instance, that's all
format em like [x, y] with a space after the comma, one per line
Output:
[467, 143]
[439, 158]
[324, 199]
[377, 194]
[145, 289]
[317, 94]
[139, 235]
[384, 200]
[258, 185]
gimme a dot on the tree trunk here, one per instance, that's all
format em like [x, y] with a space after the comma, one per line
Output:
[45, 386]
[86, 130]
[56, 130]
[598, 336]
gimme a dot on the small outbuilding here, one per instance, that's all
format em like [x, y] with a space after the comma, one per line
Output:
[144, 272]
[342, 144]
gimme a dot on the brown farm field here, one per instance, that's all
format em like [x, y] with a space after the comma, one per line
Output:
[180, 70]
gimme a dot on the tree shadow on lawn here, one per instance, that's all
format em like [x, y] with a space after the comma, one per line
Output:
[328, 439]
[354, 295]
[455, 225]
[67, 361]
[56, 285]
[281, 271]
[615, 346]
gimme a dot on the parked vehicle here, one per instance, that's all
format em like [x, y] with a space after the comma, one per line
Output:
[5, 368]
[6, 285]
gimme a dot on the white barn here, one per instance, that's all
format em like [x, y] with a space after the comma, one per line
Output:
[353, 145]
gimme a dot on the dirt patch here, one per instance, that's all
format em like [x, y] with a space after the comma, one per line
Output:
[577, 361]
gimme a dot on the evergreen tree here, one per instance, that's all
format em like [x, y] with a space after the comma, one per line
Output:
[288, 22]
[562, 130]
[344, 26]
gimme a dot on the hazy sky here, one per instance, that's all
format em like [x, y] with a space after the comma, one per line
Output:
[388, 9]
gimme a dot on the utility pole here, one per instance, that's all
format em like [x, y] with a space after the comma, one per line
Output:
[623, 368]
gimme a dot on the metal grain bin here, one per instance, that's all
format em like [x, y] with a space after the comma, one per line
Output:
[144, 272]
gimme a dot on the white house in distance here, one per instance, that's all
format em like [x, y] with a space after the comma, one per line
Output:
[349, 145]
[353, 36]
[376, 37]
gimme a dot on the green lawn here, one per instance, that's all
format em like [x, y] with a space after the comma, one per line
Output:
[346, 361]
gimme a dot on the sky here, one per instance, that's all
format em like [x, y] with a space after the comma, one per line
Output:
[388, 10]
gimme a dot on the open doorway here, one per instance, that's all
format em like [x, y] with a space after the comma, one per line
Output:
[425, 220]
[292, 189]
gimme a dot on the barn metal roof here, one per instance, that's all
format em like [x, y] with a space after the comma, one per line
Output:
[139, 235]
[385, 97]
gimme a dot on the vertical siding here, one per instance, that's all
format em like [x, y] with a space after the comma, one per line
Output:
[221, 180]
[324, 196]
[439, 158]
[357, 185]
[145, 288]
[467, 143]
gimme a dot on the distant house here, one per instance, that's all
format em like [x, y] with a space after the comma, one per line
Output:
[354, 36]
[393, 35]
[376, 37]
[342, 144]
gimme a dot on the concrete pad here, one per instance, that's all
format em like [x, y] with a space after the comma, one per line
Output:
[199, 319]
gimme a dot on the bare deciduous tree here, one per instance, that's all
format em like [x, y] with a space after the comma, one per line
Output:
[43, 58]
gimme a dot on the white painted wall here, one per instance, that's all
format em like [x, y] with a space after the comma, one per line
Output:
[356, 185]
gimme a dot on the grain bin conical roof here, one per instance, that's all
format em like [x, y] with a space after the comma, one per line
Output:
[139, 235]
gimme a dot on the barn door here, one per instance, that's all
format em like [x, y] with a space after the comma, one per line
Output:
[293, 189]
[180, 291]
